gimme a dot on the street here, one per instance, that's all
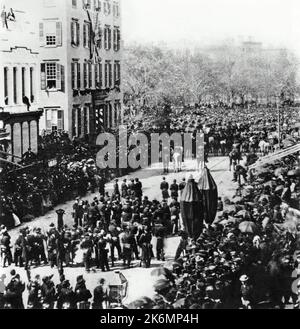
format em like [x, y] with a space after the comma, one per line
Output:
[140, 281]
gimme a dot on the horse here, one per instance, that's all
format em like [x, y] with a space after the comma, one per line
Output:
[177, 157]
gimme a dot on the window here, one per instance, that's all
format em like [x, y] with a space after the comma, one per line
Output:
[50, 33]
[75, 33]
[52, 76]
[107, 37]
[108, 74]
[117, 73]
[54, 120]
[117, 39]
[74, 3]
[116, 9]
[107, 7]
[86, 35]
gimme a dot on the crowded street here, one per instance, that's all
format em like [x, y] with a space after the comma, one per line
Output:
[150, 162]
[140, 280]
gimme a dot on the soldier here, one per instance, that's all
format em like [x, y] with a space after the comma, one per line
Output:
[116, 191]
[87, 247]
[40, 238]
[6, 255]
[164, 187]
[18, 259]
[174, 190]
[48, 292]
[14, 291]
[145, 244]
[34, 294]
[102, 253]
[82, 294]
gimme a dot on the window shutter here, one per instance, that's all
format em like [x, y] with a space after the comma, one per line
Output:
[60, 120]
[73, 42]
[49, 120]
[96, 75]
[73, 75]
[118, 39]
[110, 74]
[43, 76]
[78, 76]
[58, 34]
[100, 75]
[42, 35]
[62, 78]
[84, 35]
[109, 38]
[90, 76]
[115, 39]
[115, 72]
[58, 77]
[77, 34]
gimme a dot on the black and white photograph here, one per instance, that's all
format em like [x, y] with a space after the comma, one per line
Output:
[149, 156]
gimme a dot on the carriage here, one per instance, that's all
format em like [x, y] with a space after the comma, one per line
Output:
[117, 290]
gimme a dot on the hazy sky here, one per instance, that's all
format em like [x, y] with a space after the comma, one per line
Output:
[271, 21]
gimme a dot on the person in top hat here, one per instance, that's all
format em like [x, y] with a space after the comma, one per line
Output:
[100, 295]
[82, 294]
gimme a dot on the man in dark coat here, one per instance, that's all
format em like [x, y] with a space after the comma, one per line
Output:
[14, 291]
[182, 185]
[164, 187]
[102, 254]
[124, 189]
[116, 191]
[60, 220]
[138, 187]
[100, 295]
[48, 292]
[82, 294]
[174, 189]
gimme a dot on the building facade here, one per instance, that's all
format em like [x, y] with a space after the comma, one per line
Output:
[19, 85]
[80, 65]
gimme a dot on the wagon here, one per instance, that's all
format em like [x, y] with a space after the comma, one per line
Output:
[117, 290]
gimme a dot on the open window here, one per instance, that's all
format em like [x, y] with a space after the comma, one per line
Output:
[52, 77]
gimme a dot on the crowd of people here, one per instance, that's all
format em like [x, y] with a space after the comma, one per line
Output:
[245, 259]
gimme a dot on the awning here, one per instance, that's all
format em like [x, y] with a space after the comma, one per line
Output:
[275, 156]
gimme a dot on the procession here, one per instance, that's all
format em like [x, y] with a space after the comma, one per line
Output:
[177, 189]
